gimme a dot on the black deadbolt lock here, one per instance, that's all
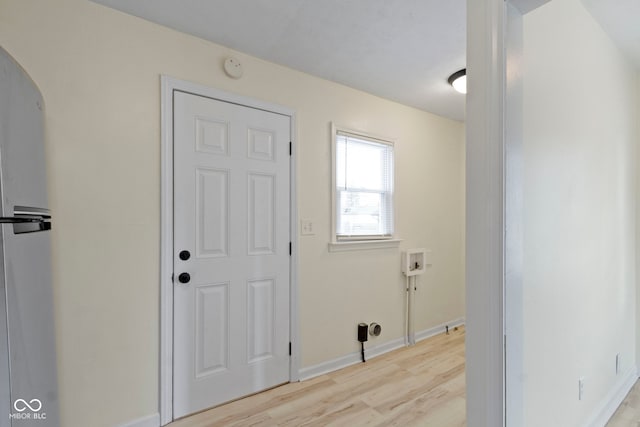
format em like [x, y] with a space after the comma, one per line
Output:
[184, 255]
[184, 277]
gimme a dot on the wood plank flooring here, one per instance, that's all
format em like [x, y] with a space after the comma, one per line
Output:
[422, 385]
[628, 413]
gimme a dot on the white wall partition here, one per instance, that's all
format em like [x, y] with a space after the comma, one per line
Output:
[579, 152]
[570, 280]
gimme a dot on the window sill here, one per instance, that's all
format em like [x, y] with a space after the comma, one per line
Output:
[363, 245]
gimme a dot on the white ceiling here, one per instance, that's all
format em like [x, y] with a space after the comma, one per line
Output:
[621, 20]
[402, 50]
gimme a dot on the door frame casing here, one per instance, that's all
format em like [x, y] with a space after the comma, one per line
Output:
[168, 86]
[494, 343]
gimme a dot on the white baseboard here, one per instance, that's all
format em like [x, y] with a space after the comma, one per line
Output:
[428, 333]
[377, 350]
[614, 398]
[152, 420]
[349, 359]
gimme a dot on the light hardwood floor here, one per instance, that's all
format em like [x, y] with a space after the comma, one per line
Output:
[628, 413]
[422, 385]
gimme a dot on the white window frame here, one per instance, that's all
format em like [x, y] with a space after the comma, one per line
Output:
[365, 242]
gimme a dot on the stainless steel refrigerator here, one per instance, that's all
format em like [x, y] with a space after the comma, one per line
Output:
[28, 383]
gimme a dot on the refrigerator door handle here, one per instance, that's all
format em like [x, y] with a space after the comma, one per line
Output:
[28, 220]
[29, 211]
[18, 220]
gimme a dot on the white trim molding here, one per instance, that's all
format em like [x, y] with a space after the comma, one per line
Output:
[356, 244]
[485, 204]
[371, 352]
[363, 245]
[168, 86]
[613, 399]
[428, 333]
[513, 222]
[152, 420]
[349, 359]
[166, 251]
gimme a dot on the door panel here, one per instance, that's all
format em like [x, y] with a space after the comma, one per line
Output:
[261, 303]
[212, 213]
[212, 326]
[231, 212]
[261, 214]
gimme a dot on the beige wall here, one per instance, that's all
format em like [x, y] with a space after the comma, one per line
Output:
[99, 73]
[579, 215]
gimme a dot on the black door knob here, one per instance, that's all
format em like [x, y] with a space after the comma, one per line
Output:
[184, 255]
[184, 277]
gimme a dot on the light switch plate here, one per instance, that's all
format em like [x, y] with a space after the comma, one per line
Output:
[307, 227]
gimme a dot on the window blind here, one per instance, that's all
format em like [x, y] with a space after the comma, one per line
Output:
[364, 188]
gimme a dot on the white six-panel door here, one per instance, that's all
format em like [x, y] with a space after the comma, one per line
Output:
[231, 214]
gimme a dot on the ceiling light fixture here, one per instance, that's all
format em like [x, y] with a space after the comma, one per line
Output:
[459, 80]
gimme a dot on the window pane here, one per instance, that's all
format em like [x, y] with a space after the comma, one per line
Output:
[362, 164]
[360, 213]
[364, 187]
[365, 168]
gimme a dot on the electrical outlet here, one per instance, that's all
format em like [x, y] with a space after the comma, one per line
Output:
[307, 227]
[618, 363]
[581, 388]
